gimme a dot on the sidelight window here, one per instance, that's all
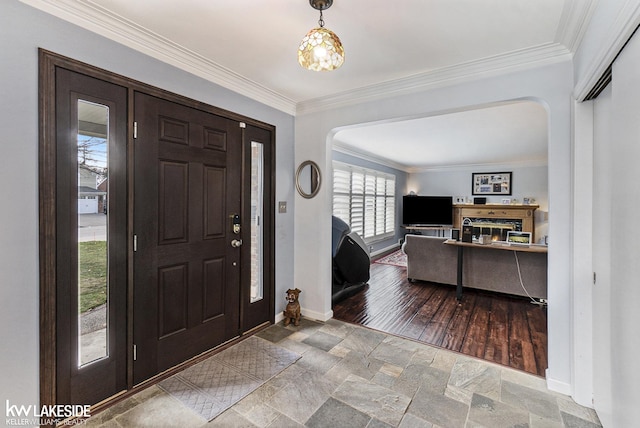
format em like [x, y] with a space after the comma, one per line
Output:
[93, 188]
[257, 232]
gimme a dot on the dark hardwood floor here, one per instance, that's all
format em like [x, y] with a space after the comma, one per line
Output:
[506, 330]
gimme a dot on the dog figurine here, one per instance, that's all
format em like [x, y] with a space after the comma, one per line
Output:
[292, 311]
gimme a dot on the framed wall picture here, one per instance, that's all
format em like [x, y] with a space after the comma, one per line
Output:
[491, 183]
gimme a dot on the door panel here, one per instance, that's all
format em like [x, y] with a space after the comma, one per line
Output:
[214, 218]
[91, 276]
[186, 273]
[173, 196]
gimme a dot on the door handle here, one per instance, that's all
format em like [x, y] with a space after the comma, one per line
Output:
[236, 243]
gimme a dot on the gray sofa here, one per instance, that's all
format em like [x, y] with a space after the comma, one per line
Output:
[429, 259]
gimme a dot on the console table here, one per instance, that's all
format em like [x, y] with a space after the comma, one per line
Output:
[495, 246]
[493, 213]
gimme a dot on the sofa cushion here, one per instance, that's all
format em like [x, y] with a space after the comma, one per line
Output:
[428, 259]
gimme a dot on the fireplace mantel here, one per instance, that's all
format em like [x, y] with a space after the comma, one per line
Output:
[495, 212]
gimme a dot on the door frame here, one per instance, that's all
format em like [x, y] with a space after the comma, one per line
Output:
[48, 63]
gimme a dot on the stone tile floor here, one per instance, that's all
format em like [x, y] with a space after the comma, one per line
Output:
[350, 376]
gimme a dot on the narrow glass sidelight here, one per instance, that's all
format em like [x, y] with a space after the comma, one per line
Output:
[93, 214]
[257, 203]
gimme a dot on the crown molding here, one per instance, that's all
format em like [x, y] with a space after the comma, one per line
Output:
[523, 59]
[575, 19]
[99, 20]
[351, 151]
[477, 166]
[622, 29]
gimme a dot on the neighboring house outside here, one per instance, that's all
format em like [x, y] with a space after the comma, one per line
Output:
[103, 187]
[91, 199]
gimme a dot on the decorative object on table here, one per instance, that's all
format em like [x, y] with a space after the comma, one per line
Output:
[467, 230]
[518, 238]
[491, 183]
[455, 234]
[479, 201]
[506, 201]
[528, 201]
[292, 311]
[460, 200]
[484, 239]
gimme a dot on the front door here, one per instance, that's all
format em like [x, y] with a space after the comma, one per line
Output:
[156, 230]
[187, 254]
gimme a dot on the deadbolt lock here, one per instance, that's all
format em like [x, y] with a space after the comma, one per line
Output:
[236, 224]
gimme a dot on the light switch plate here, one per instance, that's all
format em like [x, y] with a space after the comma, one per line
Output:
[282, 207]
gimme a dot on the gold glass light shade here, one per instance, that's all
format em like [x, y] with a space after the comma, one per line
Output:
[320, 50]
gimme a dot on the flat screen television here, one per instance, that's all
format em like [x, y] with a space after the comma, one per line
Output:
[427, 210]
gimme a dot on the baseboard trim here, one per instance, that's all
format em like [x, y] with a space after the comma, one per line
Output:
[309, 314]
[557, 386]
[384, 251]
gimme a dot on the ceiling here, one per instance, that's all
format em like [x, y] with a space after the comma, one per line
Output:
[502, 134]
[250, 47]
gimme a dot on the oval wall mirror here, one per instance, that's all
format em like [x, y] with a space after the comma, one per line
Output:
[308, 179]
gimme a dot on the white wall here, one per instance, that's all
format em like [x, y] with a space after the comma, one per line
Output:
[624, 151]
[551, 85]
[603, 182]
[529, 181]
[614, 131]
[582, 235]
[606, 372]
[22, 30]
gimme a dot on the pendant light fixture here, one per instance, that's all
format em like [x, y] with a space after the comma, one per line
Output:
[320, 49]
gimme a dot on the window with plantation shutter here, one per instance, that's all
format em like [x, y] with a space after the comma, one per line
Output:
[365, 200]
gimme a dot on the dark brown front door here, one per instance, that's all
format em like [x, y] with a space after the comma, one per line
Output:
[188, 188]
[142, 265]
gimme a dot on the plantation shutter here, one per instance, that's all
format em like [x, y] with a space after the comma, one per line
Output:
[365, 200]
[342, 195]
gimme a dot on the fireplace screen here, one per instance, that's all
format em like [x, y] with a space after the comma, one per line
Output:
[494, 227]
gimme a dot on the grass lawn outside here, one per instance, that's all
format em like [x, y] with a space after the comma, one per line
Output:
[92, 261]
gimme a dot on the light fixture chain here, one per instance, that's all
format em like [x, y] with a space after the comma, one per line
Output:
[321, 21]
